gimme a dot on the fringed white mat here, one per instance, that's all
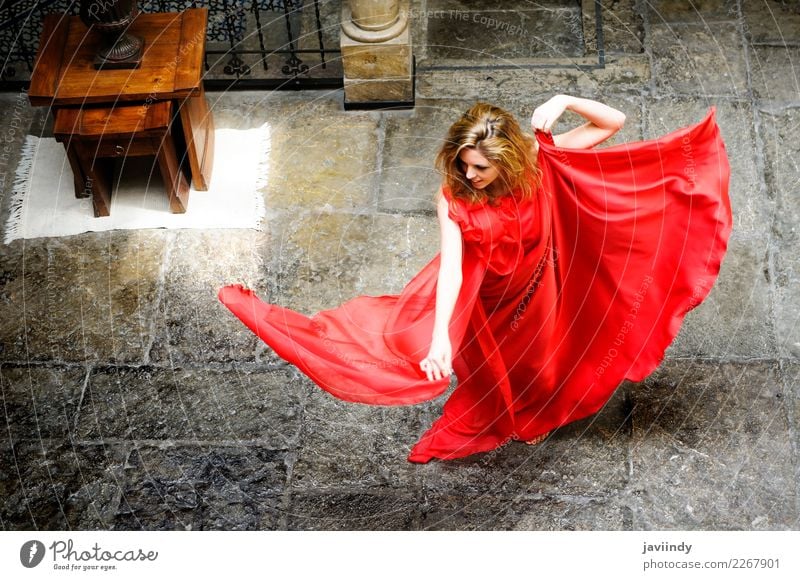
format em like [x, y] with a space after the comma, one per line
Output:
[43, 202]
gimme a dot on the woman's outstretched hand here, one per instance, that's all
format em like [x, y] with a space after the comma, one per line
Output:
[438, 363]
[546, 114]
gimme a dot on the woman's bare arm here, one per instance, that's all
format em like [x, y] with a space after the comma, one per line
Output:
[439, 361]
[602, 121]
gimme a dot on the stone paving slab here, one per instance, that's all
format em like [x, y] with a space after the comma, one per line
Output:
[694, 59]
[342, 156]
[192, 326]
[780, 132]
[320, 155]
[622, 74]
[317, 258]
[90, 297]
[281, 110]
[771, 21]
[513, 29]
[347, 446]
[734, 322]
[161, 404]
[775, 73]
[711, 449]
[214, 487]
[323, 160]
[675, 11]
[791, 389]
[623, 27]
[40, 402]
[322, 260]
[787, 301]
[486, 512]
[355, 510]
[59, 485]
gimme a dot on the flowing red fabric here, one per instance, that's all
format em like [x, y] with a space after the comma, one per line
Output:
[564, 295]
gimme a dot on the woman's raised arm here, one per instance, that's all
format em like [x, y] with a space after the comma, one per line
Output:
[602, 121]
[439, 361]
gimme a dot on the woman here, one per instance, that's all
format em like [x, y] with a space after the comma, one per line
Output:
[563, 270]
[485, 157]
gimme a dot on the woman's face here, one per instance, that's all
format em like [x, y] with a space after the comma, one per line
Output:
[477, 168]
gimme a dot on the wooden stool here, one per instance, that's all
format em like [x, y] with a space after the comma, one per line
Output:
[93, 136]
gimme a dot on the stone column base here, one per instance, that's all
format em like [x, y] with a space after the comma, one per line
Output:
[378, 73]
[379, 93]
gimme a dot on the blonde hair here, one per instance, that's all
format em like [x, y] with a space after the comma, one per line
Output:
[495, 134]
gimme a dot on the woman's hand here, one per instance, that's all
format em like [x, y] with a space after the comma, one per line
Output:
[546, 114]
[438, 363]
[602, 121]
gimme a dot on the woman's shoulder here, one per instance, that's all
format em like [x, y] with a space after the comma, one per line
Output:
[446, 201]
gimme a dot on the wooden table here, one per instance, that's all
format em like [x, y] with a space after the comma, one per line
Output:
[95, 136]
[64, 78]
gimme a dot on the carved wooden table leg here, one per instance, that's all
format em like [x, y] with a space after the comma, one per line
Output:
[77, 171]
[99, 174]
[198, 129]
[174, 181]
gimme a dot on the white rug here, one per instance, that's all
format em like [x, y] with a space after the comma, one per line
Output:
[43, 202]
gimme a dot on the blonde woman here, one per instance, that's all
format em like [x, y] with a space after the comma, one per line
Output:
[563, 270]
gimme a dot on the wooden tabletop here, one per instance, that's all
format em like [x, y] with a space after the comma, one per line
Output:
[172, 63]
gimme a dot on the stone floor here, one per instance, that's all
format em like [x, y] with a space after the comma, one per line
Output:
[131, 399]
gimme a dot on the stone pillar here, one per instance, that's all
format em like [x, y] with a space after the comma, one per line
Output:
[376, 54]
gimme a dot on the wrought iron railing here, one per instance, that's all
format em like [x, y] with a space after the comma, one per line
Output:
[260, 43]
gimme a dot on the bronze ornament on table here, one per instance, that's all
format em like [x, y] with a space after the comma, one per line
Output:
[112, 18]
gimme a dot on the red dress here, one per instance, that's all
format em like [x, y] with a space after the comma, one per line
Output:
[563, 295]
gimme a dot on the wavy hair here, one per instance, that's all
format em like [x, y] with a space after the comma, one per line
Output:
[495, 134]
